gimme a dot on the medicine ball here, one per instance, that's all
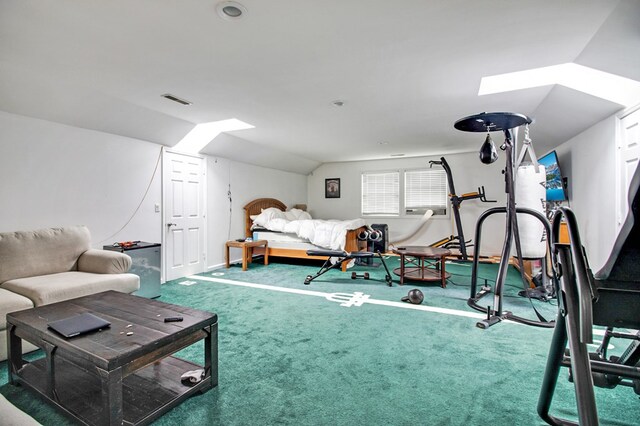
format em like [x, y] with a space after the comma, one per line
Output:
[414, 296]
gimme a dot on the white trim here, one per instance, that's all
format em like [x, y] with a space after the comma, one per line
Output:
[627, 111]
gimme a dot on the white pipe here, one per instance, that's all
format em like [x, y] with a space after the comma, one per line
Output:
[423, 220]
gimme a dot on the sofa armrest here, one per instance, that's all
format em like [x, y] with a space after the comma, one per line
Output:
[104, 262]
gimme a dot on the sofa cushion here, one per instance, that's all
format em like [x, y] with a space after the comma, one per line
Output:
[104, 262]
[13, 416]
[45, 289]
[11, 302]
[41, 252]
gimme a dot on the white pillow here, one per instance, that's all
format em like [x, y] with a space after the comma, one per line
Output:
[296, 214]
[268, 214]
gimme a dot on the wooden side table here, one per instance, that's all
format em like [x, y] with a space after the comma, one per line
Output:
[418, 257]
[247, 251]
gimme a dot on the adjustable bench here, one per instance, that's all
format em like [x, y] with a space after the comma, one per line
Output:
[344, 256]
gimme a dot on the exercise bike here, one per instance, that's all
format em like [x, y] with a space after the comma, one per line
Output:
[457, 241]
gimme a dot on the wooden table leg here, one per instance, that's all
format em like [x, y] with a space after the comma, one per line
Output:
[50, 350]
[111, 396]
[14, 352]
[245, 250]
[211, 353]
[226, 255]
[402, 269]
[266, 253]
[442, 273]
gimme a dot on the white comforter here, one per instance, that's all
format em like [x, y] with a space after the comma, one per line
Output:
[330, 234]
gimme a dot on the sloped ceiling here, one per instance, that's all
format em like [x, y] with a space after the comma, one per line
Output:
[406, 70]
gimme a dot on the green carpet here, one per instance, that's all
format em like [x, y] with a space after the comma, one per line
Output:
[301, 359]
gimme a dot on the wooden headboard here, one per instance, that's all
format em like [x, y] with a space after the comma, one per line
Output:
[255, 207]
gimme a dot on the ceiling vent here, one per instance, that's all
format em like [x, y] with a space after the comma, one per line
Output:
[176, 99]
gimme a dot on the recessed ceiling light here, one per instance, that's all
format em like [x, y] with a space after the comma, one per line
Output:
[231, 10]
[611, 87]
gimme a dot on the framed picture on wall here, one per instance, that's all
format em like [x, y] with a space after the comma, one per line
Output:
[332, 188]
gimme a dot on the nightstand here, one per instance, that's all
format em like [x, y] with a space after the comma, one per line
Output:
[247, 251]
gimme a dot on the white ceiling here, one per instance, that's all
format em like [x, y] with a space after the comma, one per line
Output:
[405, 69]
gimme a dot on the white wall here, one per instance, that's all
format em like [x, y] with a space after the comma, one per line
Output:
[248, 182]
[588, 162]
[468, 174]
[56, 175]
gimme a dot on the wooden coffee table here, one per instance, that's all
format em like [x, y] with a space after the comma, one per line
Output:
[121, 375]
[416, 262]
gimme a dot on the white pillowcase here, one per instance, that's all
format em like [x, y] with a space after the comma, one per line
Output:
[296, 214]
[267, 214]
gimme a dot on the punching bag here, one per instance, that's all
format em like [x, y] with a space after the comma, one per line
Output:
[531, 193]
[488, 153]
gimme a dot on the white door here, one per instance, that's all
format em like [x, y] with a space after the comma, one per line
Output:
[184, 180]
[628, 154]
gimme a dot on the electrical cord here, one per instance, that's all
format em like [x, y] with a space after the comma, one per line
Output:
[155, 170]
[230, 205]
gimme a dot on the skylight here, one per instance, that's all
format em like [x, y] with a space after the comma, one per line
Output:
[202, 134]
[611, 87]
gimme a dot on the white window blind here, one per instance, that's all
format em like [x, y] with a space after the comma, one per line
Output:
[381, 193]
[424, 190]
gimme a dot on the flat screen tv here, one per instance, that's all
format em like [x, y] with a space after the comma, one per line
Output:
[555, 184]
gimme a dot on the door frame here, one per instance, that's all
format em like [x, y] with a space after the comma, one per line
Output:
[165, 263]
[620, 196]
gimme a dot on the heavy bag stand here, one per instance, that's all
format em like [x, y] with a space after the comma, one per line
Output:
[491, 122]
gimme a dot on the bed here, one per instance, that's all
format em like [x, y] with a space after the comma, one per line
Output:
[287, 245]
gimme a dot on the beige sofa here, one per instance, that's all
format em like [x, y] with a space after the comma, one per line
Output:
[55, 264]
[13, 416]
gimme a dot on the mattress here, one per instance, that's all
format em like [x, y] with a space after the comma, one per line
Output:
[284, 240]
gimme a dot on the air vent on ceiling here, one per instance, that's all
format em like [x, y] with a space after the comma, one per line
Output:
[176, 99]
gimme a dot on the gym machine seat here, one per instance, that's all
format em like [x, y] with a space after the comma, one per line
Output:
[611, 299]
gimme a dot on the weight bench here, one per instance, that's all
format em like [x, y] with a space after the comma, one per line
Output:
[344, 256]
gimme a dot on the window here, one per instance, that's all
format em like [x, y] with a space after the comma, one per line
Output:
[424, 190]
[381, 193]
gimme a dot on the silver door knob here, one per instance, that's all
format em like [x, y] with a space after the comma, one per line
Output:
[171, 224]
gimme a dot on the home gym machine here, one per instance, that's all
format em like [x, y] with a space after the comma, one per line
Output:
[610, 299]
[457, 241]
[507, 122]
[343, 256]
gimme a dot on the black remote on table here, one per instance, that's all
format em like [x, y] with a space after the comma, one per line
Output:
[173, 319]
